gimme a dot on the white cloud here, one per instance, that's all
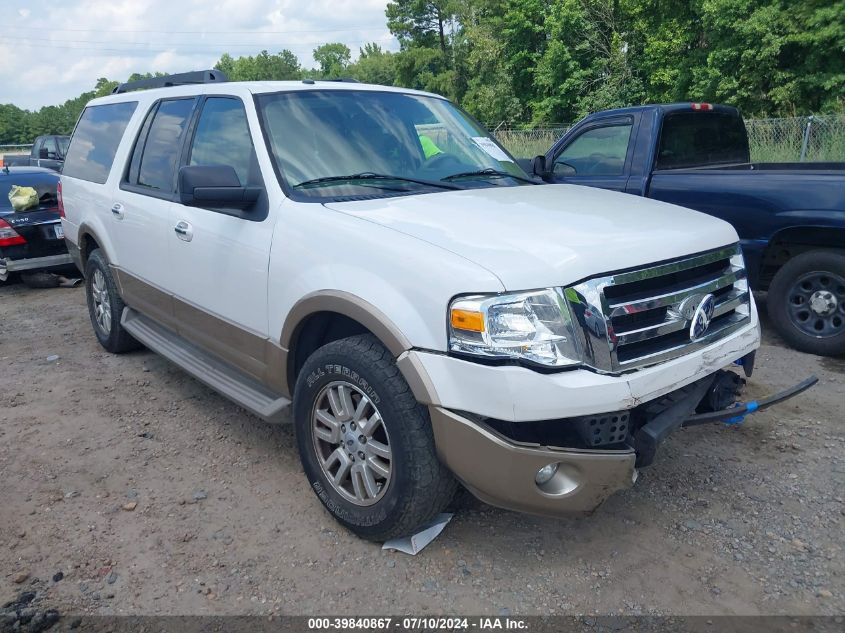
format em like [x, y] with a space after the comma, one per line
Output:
[53, 52]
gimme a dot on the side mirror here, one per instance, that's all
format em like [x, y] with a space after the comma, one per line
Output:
[43, 153]
[214, 186]
[538, 167]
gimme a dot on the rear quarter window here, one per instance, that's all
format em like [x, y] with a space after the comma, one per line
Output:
[95, 141]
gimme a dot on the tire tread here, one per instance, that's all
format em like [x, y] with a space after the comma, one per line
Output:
[119, 340]
[432, 486]
[824, 259]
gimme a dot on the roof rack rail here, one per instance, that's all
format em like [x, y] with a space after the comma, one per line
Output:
[167, 81]
[347, 80]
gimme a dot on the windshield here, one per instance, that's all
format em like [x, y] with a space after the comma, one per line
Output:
[319, 137]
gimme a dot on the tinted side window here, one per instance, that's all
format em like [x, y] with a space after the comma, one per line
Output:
[600, 151]
[50, 145]
[222, 138]
[693, 139]
[95, 141]
[163, 145]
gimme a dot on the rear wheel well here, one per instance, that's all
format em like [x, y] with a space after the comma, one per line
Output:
[87, 245]
[790, 243]
[317, 330]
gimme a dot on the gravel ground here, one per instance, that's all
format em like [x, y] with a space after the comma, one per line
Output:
[130, 488]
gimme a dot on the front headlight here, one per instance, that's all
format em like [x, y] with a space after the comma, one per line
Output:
[533, 326]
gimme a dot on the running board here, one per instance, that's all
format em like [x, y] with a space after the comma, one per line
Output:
[208, 369]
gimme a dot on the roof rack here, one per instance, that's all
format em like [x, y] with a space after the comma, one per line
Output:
[180, 79]
[348, 80]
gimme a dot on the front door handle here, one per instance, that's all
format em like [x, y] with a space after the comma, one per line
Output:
[117, 210]
[184, 231]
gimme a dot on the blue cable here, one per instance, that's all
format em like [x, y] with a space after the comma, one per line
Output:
[751, 407]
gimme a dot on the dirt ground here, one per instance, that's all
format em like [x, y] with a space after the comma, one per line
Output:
[729, 520]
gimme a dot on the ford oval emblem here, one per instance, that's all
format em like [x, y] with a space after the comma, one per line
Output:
[702, 317]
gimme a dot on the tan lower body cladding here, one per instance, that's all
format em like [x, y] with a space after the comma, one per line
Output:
[255, 355]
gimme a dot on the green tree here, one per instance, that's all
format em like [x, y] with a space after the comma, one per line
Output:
[262, 67]
[420, 23]
[490, 94]
[551, 61]
[773, 56]
[374, 66]
[333, 59]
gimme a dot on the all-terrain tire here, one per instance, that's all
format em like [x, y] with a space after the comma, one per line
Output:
[822, 268]
[419, 486]
[102, 295]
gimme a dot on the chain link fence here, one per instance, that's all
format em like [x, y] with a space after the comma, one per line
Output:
[529, 143]
[15, 148]
[814, 138]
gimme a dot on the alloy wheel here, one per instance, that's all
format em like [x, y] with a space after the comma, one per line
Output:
[351, 442]
[102, 302]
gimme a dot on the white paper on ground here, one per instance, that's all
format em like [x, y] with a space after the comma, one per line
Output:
[491, 148]
[415, 543]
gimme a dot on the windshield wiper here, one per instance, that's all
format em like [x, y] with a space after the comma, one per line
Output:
[489, 173]
[367, 175]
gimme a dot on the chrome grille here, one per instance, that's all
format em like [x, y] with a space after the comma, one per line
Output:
[645, 316]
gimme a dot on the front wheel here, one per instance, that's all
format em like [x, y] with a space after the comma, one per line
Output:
[806, 302]
[365, 443]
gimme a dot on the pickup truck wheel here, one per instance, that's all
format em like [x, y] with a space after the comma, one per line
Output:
[365, 443]
[105, 305]
[806, 302]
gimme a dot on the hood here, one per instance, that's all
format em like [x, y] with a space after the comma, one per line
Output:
[547, 235]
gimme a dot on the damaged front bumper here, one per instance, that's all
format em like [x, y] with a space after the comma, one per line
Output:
[506, 469]
[503, 472]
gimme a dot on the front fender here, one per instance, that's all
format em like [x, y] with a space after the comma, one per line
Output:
[396, 285]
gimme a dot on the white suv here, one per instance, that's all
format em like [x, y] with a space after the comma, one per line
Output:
[434, 315]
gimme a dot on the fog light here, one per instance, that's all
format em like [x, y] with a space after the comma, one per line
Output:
[545, 473]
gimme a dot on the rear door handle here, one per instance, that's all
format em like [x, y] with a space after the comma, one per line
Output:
[184, 231]
[117, 210]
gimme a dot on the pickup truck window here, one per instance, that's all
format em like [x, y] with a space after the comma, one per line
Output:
[699, 139]
[163, 145]
[326, 134]
[222, 137]
[95, 141]
[598, 151]
[50, 146]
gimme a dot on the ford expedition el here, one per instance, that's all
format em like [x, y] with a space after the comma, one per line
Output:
[372, 257]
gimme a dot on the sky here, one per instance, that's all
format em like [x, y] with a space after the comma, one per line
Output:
[52, 50]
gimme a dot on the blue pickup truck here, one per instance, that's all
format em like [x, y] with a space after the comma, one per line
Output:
[790, 217]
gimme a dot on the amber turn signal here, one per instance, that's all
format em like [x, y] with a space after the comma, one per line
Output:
[467, 320]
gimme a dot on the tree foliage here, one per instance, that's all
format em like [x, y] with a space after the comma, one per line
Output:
[333, 59]
[552, 61]
[262, 67]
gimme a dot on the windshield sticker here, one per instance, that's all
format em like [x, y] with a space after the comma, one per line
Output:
[491, 148]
